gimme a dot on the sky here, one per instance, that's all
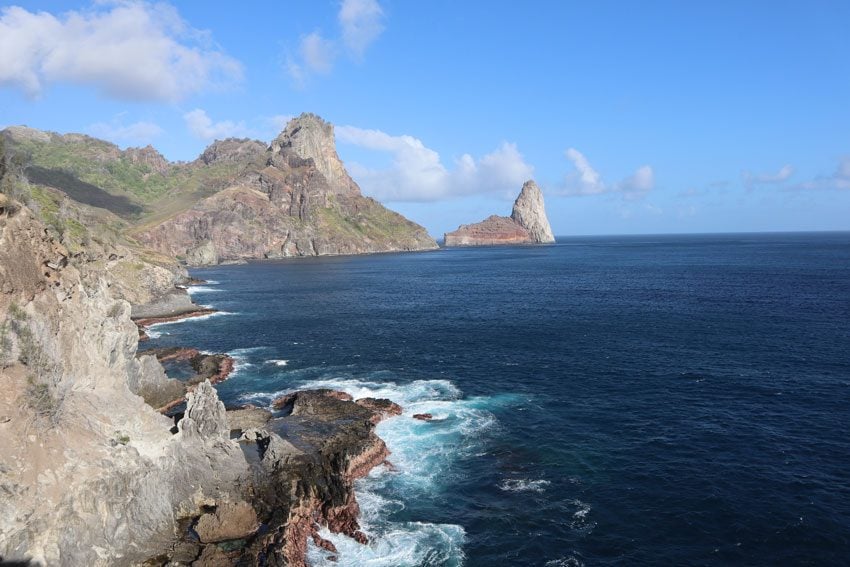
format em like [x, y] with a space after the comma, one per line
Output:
[633, 117]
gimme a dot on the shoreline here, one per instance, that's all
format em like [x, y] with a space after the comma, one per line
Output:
[296, 490]
[145, 322]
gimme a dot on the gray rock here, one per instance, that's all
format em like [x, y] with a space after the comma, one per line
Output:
[530, 213]
[203, 254]
[229, 521]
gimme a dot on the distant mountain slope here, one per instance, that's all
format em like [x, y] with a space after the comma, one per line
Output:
[240, 199]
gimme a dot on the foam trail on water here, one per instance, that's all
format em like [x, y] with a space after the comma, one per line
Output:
[424, 455]
[202, 289]
[524, 485]
[156, 328]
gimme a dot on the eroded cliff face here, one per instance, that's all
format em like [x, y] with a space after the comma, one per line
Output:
[90, 474]
[527, 224]
[530, 213]
[302, 203]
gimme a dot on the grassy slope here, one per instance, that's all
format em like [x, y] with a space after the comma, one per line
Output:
[96, 173]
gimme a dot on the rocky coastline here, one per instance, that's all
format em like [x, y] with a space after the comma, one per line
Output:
[92, 471]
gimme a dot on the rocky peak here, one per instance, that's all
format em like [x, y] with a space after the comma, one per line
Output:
[148, 156]
[232, 150]
[25, 133]
[530, 213]
[310, 137]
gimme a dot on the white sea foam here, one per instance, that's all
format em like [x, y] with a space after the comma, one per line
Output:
[154, 331]
[202, 289]
[581, 520]
[524, 485]
[565, 562]
[424, 455]
[278, 362]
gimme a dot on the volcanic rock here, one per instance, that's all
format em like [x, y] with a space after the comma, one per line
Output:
[293, 199]
[526, 225]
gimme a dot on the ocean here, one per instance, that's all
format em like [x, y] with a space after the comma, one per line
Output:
[642, 400]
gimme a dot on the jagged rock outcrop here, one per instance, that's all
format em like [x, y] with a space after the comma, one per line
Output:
[301, 203]
[90, 474]
[527, 224]
[530, 213]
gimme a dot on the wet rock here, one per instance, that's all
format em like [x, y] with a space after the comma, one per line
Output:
[423, 416]
[381, 407]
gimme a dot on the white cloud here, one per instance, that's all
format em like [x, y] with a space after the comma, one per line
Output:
[125, 49]
[201, 126]
[588, 179]
[585, 180]
[638, 184]
[839, 180]
[317, 53]
[361, 22]
[418, 174]
[137, 133]
[754, 179]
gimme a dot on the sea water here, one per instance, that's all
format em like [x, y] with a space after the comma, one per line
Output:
[679, 400]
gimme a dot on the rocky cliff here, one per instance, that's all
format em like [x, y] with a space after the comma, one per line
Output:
[241, 199]
[301, 203]
[90, 474]
[527, 224]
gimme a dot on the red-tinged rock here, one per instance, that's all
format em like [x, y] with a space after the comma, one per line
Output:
[423, 416]
[381, 407]
[526, 225]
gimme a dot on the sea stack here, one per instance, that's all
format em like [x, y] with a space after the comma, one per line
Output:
[527, 224]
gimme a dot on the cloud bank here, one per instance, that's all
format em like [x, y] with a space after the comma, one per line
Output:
[360, 22]
[585, 180]
[417, 172]
[839, 180]
[126, 50]
[755, 179]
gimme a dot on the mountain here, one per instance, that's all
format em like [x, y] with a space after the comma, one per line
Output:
[527, 224]
[301, 203]
[240, 199]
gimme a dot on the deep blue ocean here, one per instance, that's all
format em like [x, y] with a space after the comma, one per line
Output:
[651, 400]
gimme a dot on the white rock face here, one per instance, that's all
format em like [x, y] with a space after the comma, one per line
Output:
[530, 213]
[310, 137]
[89, 473]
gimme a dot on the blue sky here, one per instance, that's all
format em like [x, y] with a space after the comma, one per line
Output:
[634, 117]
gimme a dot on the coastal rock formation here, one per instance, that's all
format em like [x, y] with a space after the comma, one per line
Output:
[530, 213]
[302, 202]
[241, 199]
[76, 443]
[527, 224]
[91, 474]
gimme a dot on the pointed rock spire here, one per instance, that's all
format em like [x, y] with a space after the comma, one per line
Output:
[530, 213]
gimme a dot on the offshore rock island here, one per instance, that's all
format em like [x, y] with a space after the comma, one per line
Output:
[527, 224]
